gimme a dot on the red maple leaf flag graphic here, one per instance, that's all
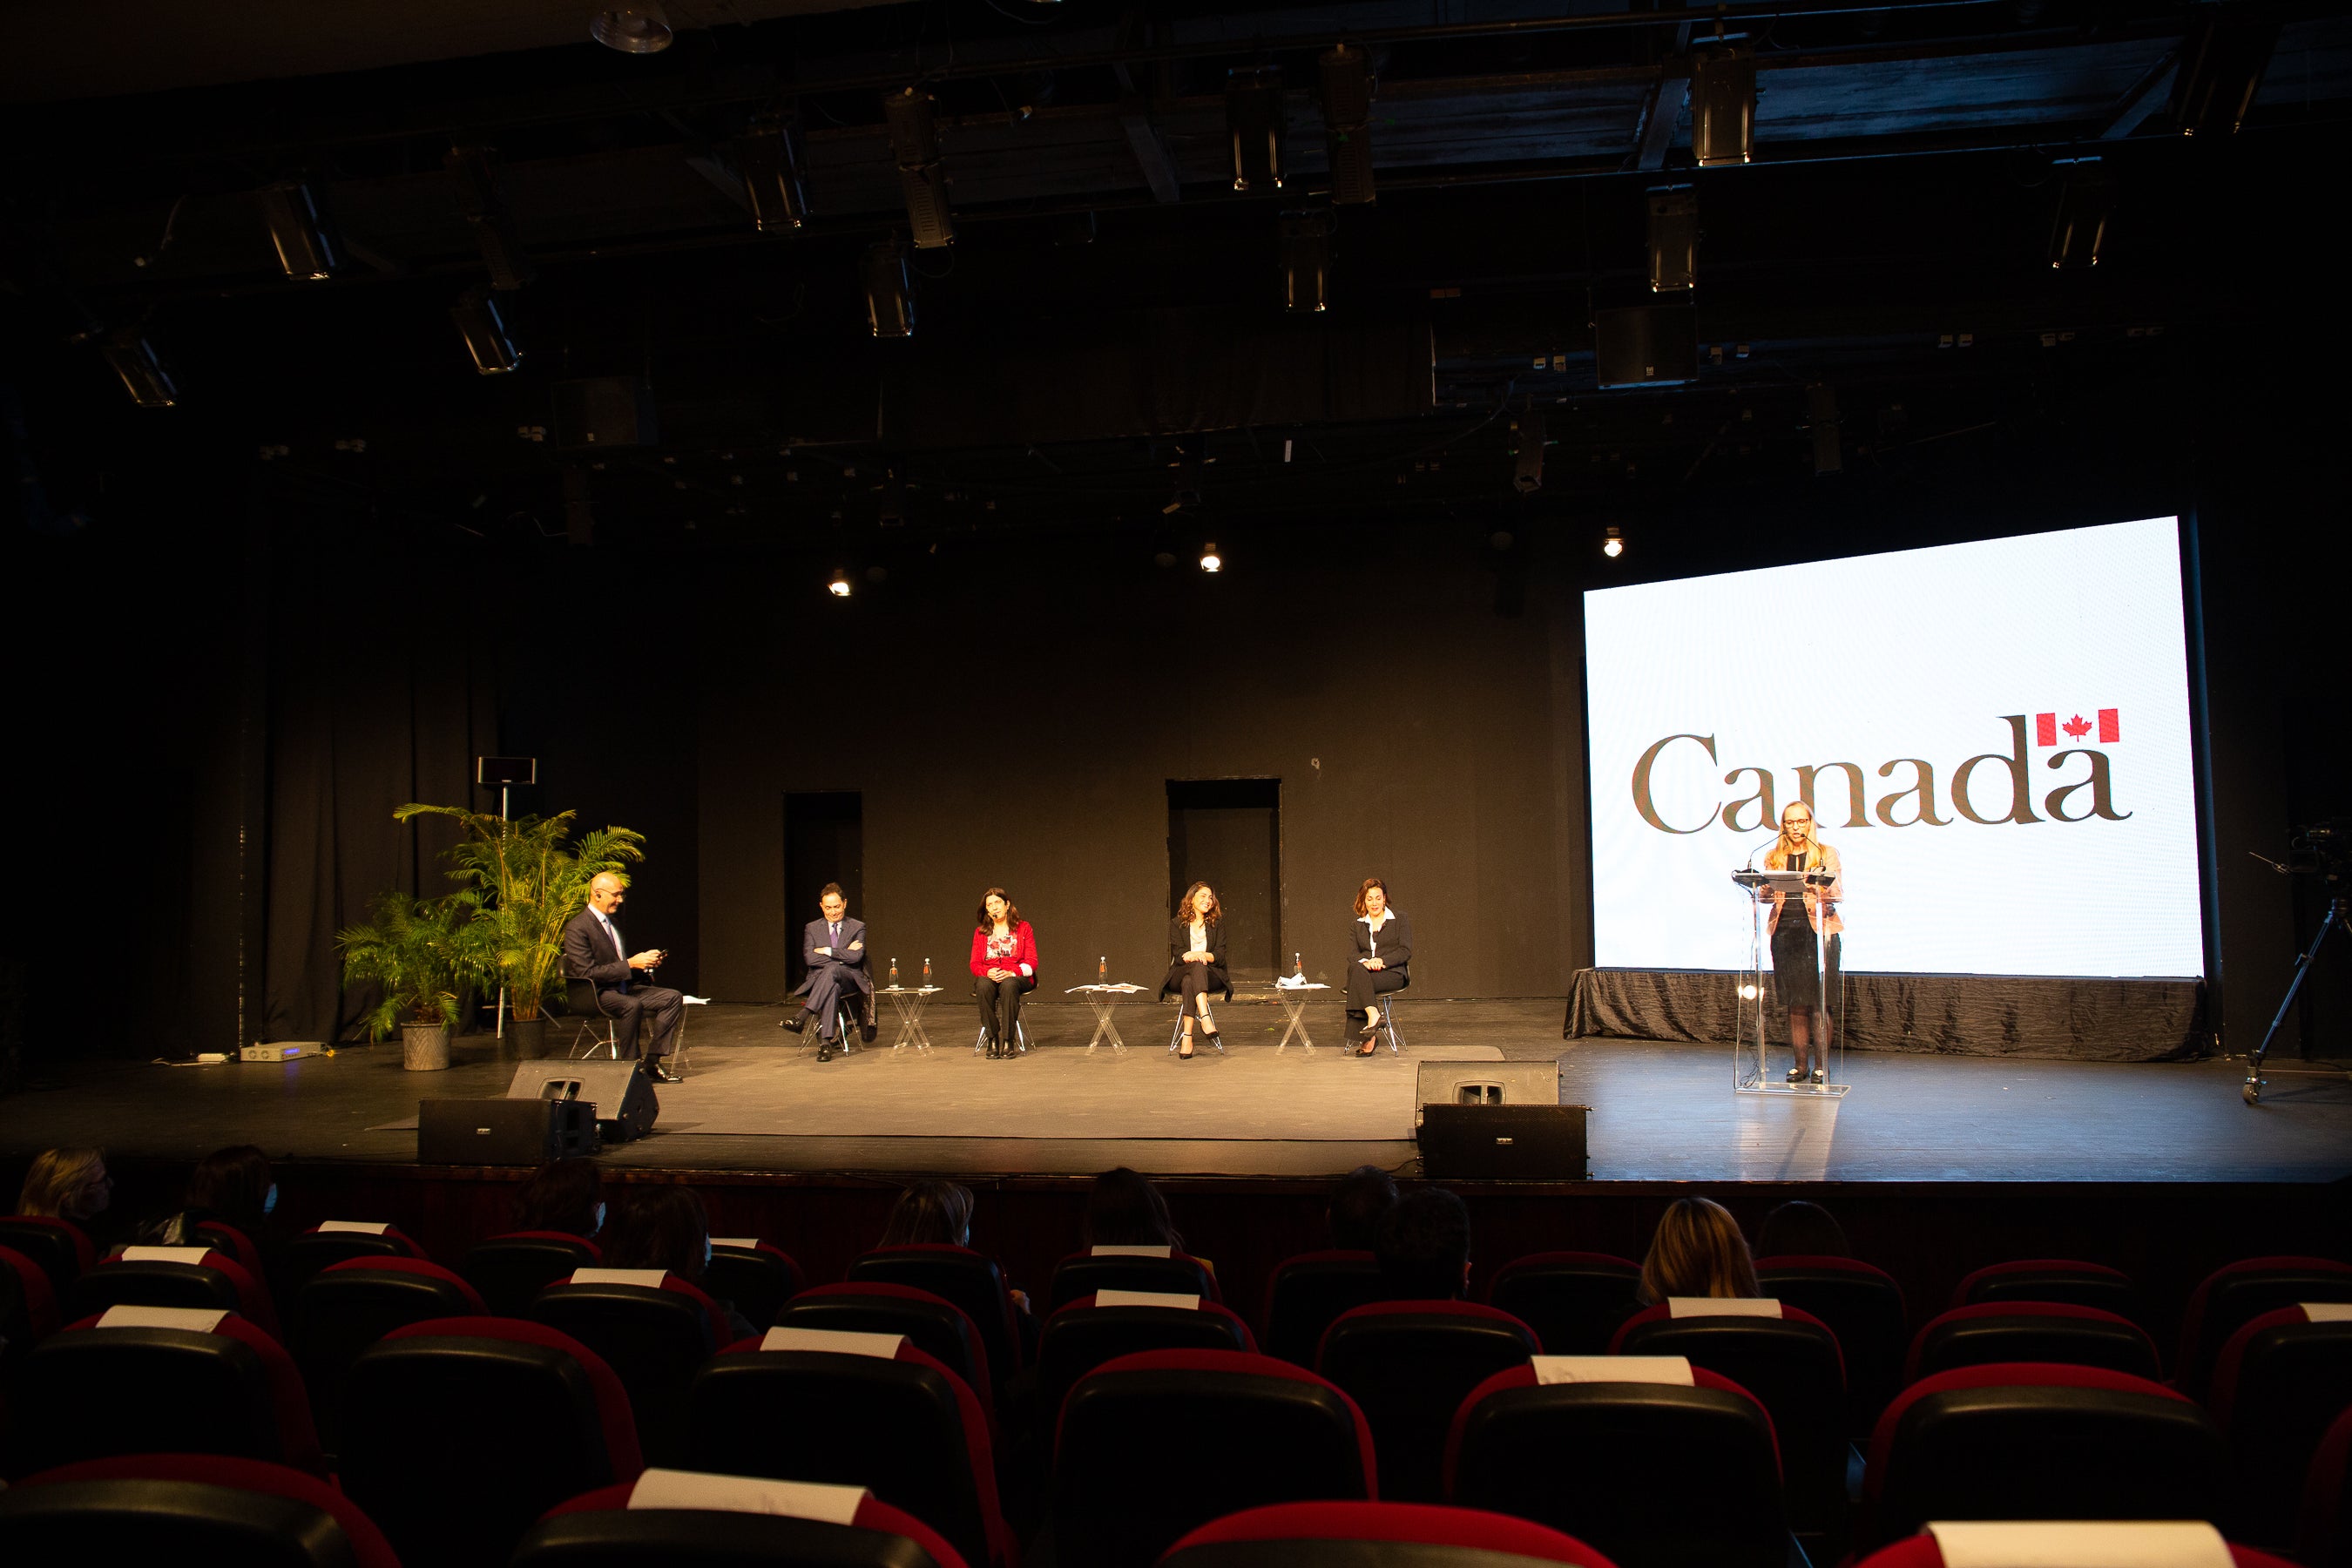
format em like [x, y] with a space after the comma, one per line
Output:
[2076, 727]
[2045, 728]
[2110, 726]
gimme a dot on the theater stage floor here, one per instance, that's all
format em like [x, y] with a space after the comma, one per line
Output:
[754, 1101]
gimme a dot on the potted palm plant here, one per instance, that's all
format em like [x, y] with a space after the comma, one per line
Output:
[522, 879]
[418, 953]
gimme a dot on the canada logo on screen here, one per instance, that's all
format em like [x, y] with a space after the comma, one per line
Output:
[1990, 789]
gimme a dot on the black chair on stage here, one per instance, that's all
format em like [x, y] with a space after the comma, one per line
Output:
[1176, 1030]
[596, 1032]
[1574, 1301]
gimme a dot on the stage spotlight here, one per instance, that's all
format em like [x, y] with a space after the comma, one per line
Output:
[2086, 205]
[474, 172]
[1723, 104]
[839, 586]
[1614, 545]
[767, 154]
[641, 28]
[1209, 560]
[1347, 88]
[134, 359]
[1528, 449]
[2223, 58]
[485, 330]
[922, 180]
[1304, 246]
[1257, 119]
[1673, 239]
[889, 291]
[304, 241]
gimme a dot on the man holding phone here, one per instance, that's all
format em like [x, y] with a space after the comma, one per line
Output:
[594, 952]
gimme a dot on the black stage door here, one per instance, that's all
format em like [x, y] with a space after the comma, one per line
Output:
[1228, 834]
[824, 841]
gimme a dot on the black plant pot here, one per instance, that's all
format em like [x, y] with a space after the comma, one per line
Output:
[527, 1038]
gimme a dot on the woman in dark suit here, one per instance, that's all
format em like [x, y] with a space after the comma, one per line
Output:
[1196, 959]
[1384, 939]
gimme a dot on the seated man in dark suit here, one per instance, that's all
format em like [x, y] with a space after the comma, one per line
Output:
[833, 948]
[593, 951]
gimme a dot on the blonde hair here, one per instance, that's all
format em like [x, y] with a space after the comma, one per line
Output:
[56, 1179]
[1699, 1251]
[1817, 854]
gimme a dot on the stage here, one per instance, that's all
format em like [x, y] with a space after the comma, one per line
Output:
[756, 1100]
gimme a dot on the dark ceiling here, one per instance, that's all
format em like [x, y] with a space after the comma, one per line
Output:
[1104, 338]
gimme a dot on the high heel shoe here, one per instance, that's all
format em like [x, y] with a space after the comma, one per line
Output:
[1184, 1052]
[1796, 1075]
[1216, 1041]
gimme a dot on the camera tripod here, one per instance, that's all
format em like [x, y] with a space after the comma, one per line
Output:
[2339, 913]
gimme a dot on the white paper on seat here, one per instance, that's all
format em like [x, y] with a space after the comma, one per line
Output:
[2129, 1543]
[746, 1242]
[195, 1320]
[834, 1341]
[747, 1494]
[650, 1278]
[364, 1227]
[2327, 1311]
[1130, 1252]
[164, 1253]
[1722, 1306]
[1673, 1369]
[1147, 1298]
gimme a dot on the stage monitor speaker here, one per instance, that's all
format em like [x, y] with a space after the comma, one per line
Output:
[1487, 1083]
[502, 1132]
[1646, 345]
[607, 411]
[622, 1096]
[1507, 1142]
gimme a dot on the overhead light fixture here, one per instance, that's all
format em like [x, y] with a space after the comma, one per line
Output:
[1347, 88]
[303, 239]
[2223, 57]
[641, 28]
[1614, 545]
[1528, 449]
[1209, 560]
[1723, 104]
[922, 179]
[481, 196]
[839, 586]
[2086, 205]
[134, 360]
[1673, 239]
[889, 291]
[767, 154]
[1303, 246]
[1257, 119]
[485, 330]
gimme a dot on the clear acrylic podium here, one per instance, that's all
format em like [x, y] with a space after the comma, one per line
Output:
[1795, 974]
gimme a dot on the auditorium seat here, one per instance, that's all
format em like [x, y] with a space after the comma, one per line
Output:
[1307, 1295]
[972, 1280]
[1573, 1300]
[2030, 1331]
[224, 1236]
[188, 1509]
[652, 1329]
[1789, 1362]
[1407, 1366]
[1864, 1307]
[510, 1270]
[933, 1324]
[158, 1380]
[683, 1518]
[756, 1277]
[460, 1432]
[334, 1240]
[1656, 1462]
[29, 1306]
[2279, 1381]
[1165, 1270]
[59, 1245]
[1154, 1445]
[2018, 1542]
[172, 1277]
[1376, 1535]
[2323, 1537]
[349, 1306]
[2031, 1440]
[866, 1410]
[2066, 1280]
[2230, 1298]
[1092, 1329]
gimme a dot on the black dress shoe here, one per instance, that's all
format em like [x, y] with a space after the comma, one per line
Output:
[868, 1030]
[823, 1049]
[796, 1022]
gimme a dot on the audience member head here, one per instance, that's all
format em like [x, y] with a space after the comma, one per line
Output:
[234, 1183]
[66, 1184]
[562, 1195]
[1125, 1210]
[1359, 1199]
[1800, 1229]
[665, 1229]
[1697, 1251]
[930, 1212]
[1422, 1243]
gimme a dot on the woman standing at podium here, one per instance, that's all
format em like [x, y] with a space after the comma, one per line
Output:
[1798, 952]
[1004, 966]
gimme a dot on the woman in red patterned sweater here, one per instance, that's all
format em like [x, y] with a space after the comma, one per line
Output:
[1004, 966]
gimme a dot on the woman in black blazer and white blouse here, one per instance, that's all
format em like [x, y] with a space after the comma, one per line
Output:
[1384, 940]
[1196, 959]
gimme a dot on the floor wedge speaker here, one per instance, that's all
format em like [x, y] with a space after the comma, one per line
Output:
[1487, 1083]
[502, 1132]
[622, 1096]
